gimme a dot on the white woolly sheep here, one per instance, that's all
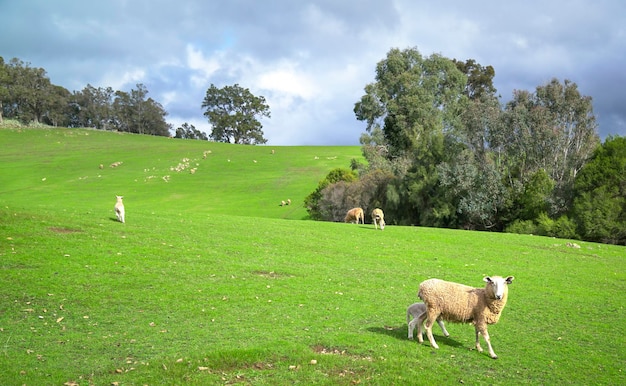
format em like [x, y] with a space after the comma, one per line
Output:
[378, 217]
[355, 214]
[415, 316]
[283, 203]
[119, 209]
[289, 201]
[459, 303]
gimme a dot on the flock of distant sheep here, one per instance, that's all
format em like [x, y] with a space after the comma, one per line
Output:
[442, 300]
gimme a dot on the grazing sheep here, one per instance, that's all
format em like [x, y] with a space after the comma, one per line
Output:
[378, 217]
[101, 166]
[119, 209]
[283, 203]
[355, 214]
[459, 303]
[289, 201]
[415, 316]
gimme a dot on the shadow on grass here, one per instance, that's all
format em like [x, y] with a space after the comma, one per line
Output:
[402, 332]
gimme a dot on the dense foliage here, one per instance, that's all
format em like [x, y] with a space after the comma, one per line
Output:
[27, 95]
[600, 202]
[454, 156]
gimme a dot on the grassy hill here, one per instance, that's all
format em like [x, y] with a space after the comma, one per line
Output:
[210, 281]
[156, 172]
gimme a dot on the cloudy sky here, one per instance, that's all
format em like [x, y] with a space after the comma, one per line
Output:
[312, 59]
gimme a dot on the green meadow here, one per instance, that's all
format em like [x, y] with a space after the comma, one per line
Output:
[212, 281]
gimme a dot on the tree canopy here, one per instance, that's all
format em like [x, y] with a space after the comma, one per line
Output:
[443, 151]
[234, 112]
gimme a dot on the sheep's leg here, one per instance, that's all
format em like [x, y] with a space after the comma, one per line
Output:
[483, 330]
[480, 349]
[430, 320]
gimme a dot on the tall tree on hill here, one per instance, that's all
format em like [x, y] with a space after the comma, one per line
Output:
[232, 112]
[415, 102]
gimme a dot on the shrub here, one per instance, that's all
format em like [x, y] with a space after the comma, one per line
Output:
[524, 227]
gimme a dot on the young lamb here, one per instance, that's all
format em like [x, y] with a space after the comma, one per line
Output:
[355, 214]
[119, 209]
[415, 315]
[378, 217]
[459, 303]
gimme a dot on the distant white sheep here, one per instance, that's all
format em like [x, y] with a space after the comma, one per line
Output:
[289, 201]
[283, 203]
[415, 316]
[119, 209]
[355, 215]
[378, 217]
[459, 303]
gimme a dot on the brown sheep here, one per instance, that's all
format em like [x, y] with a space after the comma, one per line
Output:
[355, 214]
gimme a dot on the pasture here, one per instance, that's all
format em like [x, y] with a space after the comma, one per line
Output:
[211, 281]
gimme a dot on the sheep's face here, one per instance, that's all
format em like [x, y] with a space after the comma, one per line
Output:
[498, 285]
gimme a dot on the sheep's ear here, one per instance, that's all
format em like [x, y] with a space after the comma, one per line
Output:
[509, 279]
[487, 279]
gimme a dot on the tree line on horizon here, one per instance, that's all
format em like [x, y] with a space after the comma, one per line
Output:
[443, 151]
[27, 95]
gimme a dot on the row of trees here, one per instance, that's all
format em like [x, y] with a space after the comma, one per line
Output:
[443, 151]
[26, 94]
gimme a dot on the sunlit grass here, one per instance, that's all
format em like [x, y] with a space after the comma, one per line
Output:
[205, 284]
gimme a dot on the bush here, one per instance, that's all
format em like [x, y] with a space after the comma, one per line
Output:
[523, 227]
[563, 228]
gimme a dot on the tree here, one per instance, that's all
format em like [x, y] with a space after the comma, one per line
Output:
[415, 103]
[187, 131]
[553, 129]
[600, 194]
[5, 82]
[135, 114]
[232, 112]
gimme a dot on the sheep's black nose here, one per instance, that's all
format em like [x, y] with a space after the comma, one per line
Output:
[498, 297]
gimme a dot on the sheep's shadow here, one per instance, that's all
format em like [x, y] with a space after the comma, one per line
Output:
[402, 332]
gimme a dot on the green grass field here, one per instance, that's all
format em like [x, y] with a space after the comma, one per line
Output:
[211, 281]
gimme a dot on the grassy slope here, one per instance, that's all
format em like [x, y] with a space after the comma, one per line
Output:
[207, 282]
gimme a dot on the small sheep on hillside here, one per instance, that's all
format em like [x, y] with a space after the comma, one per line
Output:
[119, 209]
[378, 217]
[355, 214]
[283, 203]
[415, 316]
[459, 303]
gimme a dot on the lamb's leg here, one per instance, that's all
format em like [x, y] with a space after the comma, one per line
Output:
[430, 320]
[420, 323]
[412, 325]
[443, 327]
